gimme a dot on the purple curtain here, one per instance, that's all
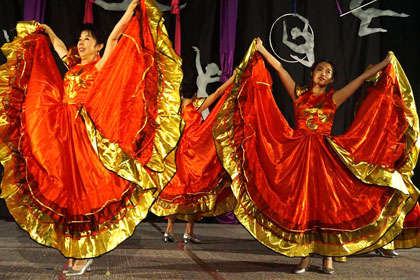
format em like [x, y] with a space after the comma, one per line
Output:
[228, 15]
[34, 10]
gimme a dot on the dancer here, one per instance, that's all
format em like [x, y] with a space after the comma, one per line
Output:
[201, 187]
[72, 180]
[302, 191]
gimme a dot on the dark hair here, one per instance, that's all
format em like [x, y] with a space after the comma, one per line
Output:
[188, 88]
[327, 61]
[94, 31]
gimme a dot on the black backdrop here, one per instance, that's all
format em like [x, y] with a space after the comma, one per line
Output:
[336, 39]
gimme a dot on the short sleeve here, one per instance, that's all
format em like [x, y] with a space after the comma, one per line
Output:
[71, 58]
[198, 102]
[300, 89]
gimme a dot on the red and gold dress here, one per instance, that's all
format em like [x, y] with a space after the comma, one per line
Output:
[410, 235]
[201, 185]
[303, 191]
[84, 158]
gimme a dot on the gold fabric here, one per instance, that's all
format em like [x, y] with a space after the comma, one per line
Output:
[301, 89]
[205, 205]
[165, 139]
[41, 227]
[161, 167]
[198, 102]
[328, 241]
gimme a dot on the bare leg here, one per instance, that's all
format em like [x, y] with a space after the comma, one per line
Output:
[327, 265]
[327, 262]
[168, 236]
[79, 267]
[69, 267]
[303, 265]
[170, 226]
[78, 264]
[189, 229]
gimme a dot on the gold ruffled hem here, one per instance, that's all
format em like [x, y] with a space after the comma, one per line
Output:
[410, 238]
[206, 206]
[327, 242]
[108, 235]
[301, 243]
[226, 206]
[26, 213]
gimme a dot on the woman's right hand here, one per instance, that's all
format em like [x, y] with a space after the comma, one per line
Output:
[45, 27]
[259, 44]
[386, 60]
[133, 5]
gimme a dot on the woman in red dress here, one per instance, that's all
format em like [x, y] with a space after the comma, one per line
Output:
[85, 158]
[201, 186]
[303, 191]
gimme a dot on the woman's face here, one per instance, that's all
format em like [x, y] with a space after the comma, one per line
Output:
[323, 74]
[87, 45]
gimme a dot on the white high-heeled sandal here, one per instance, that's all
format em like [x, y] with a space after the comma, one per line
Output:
[85, 268]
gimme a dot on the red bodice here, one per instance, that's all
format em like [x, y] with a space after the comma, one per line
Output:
[77, 82]
[314, 114]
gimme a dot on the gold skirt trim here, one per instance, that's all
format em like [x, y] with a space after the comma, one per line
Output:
[205, 206]
[410, 238]
[109, 234]
[159, 170]
[327, 242]
[25, 211]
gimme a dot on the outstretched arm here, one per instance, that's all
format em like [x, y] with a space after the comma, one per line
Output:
[343, 94]
[197, 61]
[59, 46]
[214, 79]
[285, 77]
[116, 32]
[212, 97]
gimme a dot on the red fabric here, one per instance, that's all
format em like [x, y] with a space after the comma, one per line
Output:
[413, 218]
[124, 106]
[64, 175]
[410, 235]
[377, 134]
[293, 176]
[199, 170]
[56, 167]
[175, 10]
[88, 18]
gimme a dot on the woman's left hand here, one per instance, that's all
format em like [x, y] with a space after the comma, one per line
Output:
[133, 5]
[386, 60]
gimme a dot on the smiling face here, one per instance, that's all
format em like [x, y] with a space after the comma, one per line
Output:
[323, 74]
[88, 46]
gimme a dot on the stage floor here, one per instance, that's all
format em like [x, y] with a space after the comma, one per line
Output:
[229, 252]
